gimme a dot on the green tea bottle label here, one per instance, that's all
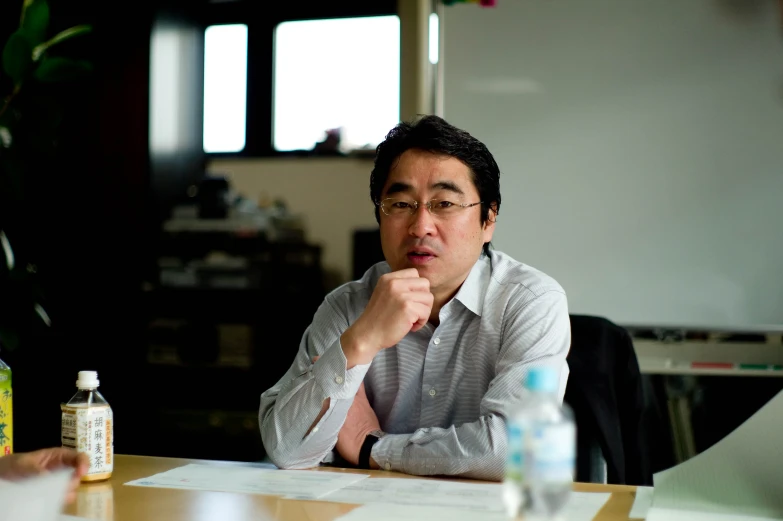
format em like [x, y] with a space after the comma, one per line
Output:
[6, 412]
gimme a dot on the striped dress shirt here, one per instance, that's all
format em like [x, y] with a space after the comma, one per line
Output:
[442, 394]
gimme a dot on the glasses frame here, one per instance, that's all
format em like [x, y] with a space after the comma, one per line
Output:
[416, 204]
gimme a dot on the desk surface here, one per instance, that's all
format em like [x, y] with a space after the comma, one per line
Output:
[99, 500]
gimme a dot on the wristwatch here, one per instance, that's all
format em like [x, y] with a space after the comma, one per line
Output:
[366, 450]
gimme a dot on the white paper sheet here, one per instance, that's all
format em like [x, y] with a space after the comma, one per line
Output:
[36, 499]
[484, 497]
[583, 506]
[304, 484]
[468, 498]
[381, 512]
[642, 503]
[667, 514]
[742, 474]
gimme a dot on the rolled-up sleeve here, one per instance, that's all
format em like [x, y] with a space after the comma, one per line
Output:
[290, 407]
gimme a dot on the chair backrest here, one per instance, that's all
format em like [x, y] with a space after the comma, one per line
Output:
[605, 392]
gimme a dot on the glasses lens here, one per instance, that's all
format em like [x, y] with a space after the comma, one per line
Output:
[394, 206]
[443, 207]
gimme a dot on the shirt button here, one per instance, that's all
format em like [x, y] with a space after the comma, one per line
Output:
[315, 429]
[436, 341]
[433, 392]
[338, 379]
[387, 466]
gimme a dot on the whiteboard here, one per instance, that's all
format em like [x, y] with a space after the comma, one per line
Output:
[641, 150]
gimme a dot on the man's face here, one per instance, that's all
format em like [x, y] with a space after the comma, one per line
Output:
[443, 248]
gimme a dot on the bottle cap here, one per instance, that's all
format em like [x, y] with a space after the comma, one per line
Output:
[544, 379]
[87, 380]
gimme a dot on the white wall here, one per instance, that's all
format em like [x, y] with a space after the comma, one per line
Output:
[641, 149]
[332, 195]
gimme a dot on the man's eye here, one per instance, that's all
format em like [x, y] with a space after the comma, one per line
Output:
[445, 204]
[401, 204]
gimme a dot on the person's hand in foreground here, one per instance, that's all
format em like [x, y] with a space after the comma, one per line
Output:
[29, 464]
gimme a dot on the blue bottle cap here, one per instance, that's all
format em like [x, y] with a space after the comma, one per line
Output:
[543, 379]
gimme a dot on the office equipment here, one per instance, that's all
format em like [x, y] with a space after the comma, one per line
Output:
[639, 148]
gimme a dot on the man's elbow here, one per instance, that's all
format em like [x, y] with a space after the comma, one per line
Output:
[490, 468]
[287, 457]
[286, 462]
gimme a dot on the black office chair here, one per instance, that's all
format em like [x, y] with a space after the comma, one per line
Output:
[605, 392]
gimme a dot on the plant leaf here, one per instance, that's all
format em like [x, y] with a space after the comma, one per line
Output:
[62, 36]
[8, 252]
[35, 20]
[56, 68]
[17, 56]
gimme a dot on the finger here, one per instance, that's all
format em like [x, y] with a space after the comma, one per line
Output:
[72, 490]
[419, 315]
[65, 457]
[82, 466]
[422, 297]
[401, 286]
[407, 273]
[315, 358]
[420, 284]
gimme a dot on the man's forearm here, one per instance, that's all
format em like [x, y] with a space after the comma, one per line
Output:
[474, 450]
[301, 416]
[357, 348]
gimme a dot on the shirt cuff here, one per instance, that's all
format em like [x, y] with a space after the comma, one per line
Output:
[332, 376]
[387, 451]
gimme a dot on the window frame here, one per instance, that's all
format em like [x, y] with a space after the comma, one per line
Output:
[260, 57]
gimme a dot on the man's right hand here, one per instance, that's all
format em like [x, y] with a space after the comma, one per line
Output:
[400, 303]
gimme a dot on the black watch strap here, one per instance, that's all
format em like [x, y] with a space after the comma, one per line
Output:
[366, 451]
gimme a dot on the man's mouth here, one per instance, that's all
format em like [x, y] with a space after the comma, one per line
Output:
[419, 257]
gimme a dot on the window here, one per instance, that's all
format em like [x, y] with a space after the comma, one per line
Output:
[335, 73]
[225, 87]
[433, 38]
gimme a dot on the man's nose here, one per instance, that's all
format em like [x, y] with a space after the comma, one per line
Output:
[422, 223]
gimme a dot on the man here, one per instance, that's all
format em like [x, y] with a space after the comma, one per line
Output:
[416, 366]
[23, 465]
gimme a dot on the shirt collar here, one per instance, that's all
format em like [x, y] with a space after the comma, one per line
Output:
[473, 290]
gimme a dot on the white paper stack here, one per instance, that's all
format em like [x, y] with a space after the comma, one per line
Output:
[35, 499]
[301, 484]
[739, 478]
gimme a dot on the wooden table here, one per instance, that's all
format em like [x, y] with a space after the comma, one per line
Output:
[111, 500]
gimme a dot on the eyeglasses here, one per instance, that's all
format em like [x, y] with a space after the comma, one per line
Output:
[394, 207]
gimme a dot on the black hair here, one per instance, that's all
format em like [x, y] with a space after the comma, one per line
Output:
[434, 134]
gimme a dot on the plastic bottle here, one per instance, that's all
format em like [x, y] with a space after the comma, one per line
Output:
[516, 473]
[6, 411]
[550, 447]
[88, 426]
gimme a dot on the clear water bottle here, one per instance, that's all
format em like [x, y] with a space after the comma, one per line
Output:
[550, 447]
[516, 473]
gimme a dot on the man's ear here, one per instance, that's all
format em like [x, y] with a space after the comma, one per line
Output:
[492, 214]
